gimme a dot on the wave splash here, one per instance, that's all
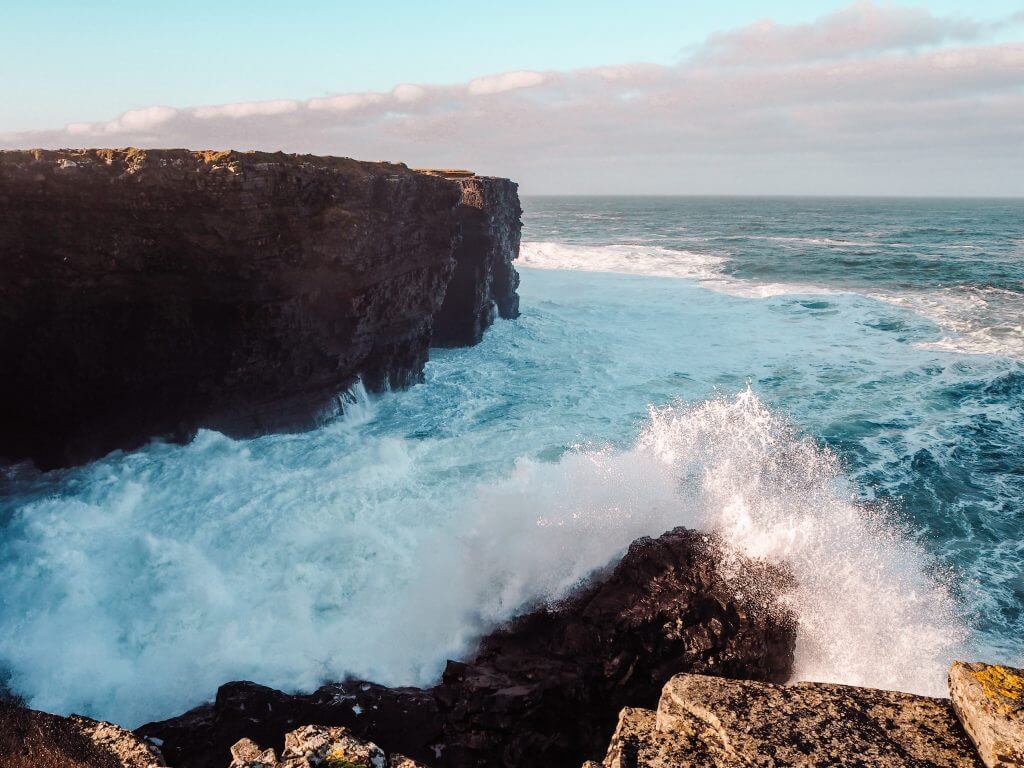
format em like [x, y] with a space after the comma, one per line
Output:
[869, 612]
[151, 578]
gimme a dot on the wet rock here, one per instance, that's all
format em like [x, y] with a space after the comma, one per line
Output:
[148, 293]
[989, 700]
[32, 739]
[710, 722]
[547, 688]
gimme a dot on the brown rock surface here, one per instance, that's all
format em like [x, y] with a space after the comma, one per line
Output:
[544, 690]
[150, 292]
[31, 739]
[989, 700]
[710, 722]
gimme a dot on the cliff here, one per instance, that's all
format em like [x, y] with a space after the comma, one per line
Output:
[149, 293]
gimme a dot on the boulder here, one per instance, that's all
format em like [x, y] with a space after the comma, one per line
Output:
[311, 746]
[710, 722]
[989, 700]
[32, 739]
[546, 689]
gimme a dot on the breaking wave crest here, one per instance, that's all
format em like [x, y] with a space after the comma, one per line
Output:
[868, 609]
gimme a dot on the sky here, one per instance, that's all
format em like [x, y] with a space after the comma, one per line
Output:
[729, 97]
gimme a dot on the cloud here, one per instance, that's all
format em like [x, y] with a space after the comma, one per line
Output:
[507, 81]
[858, 29]
[872, 98]
[247, 109]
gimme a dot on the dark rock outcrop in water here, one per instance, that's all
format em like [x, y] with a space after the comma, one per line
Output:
[545, 690]
[147, 293]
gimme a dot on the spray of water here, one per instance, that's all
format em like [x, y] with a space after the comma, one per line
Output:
[151, 578]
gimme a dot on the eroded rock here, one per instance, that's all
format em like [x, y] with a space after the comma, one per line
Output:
[989, 700]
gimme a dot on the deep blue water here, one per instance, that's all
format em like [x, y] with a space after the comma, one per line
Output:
[836, 384]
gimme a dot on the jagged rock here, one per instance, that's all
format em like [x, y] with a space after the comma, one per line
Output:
[546, 689]
[246, 753]
[311, 746]
[151, 292]
[32, 739]
[314, 745]
[989, 700]
[710, 722]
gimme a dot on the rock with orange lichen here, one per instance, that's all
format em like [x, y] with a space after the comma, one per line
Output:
[989, 700]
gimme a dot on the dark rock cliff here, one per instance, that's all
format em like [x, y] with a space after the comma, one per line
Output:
[546, 690]
[149, 293]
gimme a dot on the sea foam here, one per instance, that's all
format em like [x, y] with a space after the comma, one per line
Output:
[297, 559]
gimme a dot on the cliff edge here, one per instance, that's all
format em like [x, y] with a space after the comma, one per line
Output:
[148, 293]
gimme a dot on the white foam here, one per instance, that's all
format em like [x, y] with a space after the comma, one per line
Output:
[298, 558]
[655, 261]
[975, 320]
[868, 612]
[979, 320]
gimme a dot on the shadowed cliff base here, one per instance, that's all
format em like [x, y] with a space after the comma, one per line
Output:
[148, 293]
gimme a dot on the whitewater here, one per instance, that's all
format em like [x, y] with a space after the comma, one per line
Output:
[836, 386]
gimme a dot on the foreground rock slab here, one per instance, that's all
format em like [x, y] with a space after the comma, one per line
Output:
[313, 746]
[545, 690]
[31, 739]
[709, 722]
[989, 700]
[148, 293]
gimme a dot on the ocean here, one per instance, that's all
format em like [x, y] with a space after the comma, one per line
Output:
[836, 384]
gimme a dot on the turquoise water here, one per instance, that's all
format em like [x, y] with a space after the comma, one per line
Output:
[836, 385]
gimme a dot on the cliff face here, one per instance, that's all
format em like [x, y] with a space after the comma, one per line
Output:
[148, 293]
[484, 278]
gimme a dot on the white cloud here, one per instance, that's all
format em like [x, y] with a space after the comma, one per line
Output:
[873, 98]
[407, 92]
[247, 109]
[507, 81]
[346, 102]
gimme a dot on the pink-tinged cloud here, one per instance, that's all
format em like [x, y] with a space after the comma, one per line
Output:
[861, 28]
[870, 99]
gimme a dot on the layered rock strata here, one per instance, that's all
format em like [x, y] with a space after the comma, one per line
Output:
[545, 690]
[149, 293]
